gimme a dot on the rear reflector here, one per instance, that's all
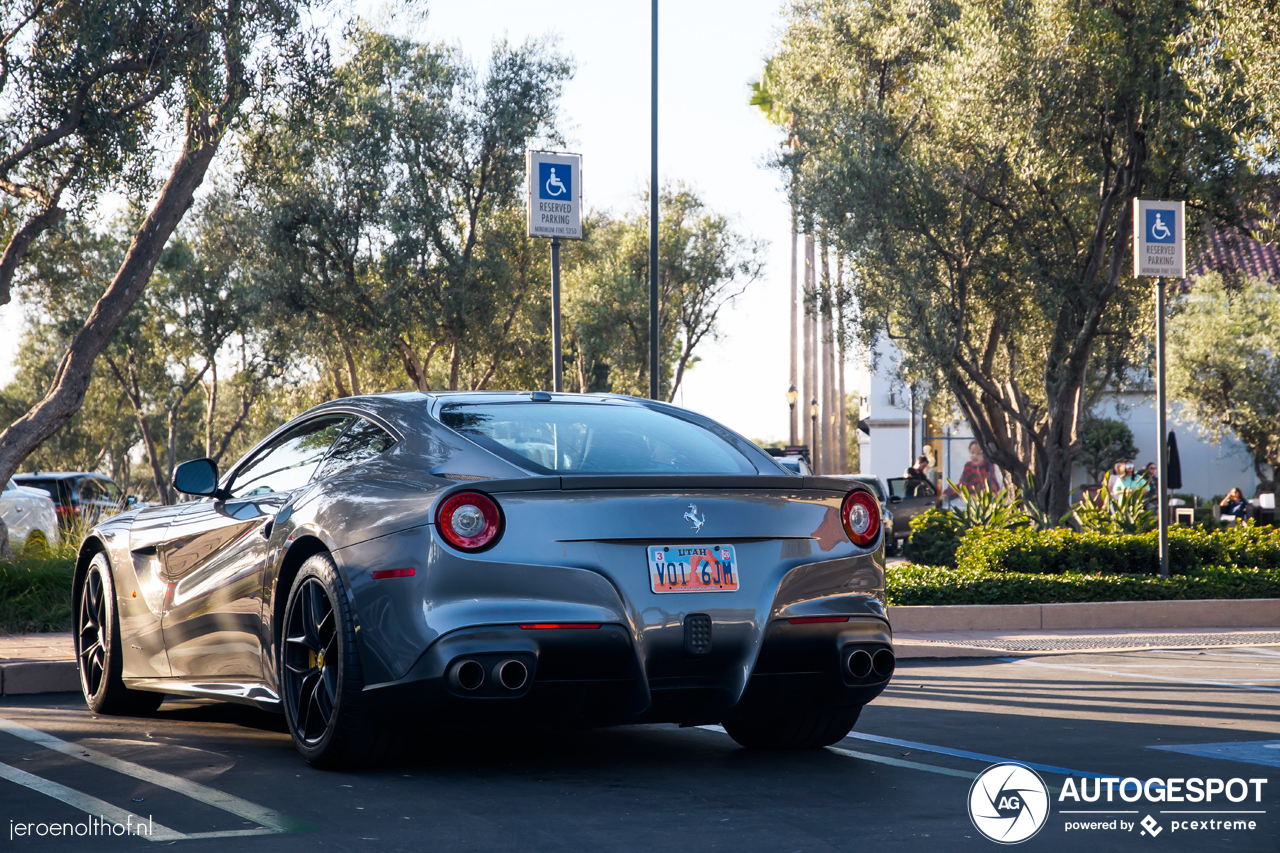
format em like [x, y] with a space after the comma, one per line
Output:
[810, 620]
[543, 626]
[391, 573]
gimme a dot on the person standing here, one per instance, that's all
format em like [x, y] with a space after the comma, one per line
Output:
[979, 475]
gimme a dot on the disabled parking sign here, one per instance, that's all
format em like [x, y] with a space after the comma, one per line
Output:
[555, 194]
[1159, 243]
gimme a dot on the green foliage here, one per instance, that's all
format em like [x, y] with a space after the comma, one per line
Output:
[35, 594]
[935, 536]
[1191, 550]
[1106, 513]
[1103, 443]
[1224, 364]
[977, 163]
[927, 585]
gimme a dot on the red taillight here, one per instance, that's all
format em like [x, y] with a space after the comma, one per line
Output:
[391, 573]
[469, 521]
[860, 513]
[547, 626]
[813, 620]
[67, 510]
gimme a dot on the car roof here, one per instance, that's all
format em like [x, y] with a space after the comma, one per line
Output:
[58, 475]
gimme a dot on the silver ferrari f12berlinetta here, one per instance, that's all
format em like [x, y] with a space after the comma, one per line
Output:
[494, 559]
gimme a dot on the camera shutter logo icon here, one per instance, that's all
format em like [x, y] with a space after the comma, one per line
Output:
[1008, 803]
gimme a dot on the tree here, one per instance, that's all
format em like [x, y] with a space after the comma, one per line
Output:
[392, 190]
[1224, 364]
[87, 85]
[978, 161]
[1103, 443]
[704, 264]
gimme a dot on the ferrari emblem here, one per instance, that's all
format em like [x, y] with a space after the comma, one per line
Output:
[692, 517]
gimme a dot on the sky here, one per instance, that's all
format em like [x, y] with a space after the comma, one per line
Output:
[708, 136]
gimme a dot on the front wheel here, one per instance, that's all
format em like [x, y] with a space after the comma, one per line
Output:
[97, 643]
[804, 730]
[320, 673]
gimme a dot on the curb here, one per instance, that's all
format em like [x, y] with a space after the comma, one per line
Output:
[26, 677]
[1207, 613]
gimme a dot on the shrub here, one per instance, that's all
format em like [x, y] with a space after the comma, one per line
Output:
[1064, 551]
[913, 585]
[935, 536]
[35, 594]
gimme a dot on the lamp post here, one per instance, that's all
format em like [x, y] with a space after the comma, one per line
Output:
[813, 451]
[792, 395]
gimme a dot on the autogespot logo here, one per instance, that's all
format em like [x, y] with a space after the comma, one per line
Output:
[1008, 803]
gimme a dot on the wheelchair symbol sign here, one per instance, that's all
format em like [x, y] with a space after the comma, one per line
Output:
[1160, 226]
[555, 181]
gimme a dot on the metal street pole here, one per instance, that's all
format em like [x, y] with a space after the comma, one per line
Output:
[556, 384]
[1162, 453]
[653, 218]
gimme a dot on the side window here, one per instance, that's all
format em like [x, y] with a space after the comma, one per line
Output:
[362, 442]
[288, 462]
[90, 490]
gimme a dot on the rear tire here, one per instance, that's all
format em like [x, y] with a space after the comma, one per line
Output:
[97, 642]
[806, 730]
[320, 675]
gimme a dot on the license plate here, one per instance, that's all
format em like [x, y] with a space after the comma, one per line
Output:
[682, 568]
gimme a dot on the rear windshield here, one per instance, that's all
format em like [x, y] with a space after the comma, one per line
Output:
[50, 487]
[596, 438]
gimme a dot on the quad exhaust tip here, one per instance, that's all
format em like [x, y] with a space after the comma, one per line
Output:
[511, 674]
[860, 664]
[883, 663]
[467, 675]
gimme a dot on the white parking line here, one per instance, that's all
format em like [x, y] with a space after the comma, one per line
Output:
[269, 821]
[91, 805]
[1100, 671]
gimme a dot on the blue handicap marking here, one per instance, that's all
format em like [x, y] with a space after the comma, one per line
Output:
[1264, 752]
[555, 181]
[1160, 226]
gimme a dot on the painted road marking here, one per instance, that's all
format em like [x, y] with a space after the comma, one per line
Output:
[975, 756]
[270, 821]
[1166, 678]
[1264, 752]
[898, 762]
[90, 805]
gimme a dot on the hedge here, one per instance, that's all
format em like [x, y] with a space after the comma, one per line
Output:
[910, 584]
[1191, 549]
[35, 595]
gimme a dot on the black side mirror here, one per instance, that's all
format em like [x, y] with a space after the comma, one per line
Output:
[197, 477]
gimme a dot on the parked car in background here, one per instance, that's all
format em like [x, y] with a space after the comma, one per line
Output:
[908, 497]
[794, 463]
[78, 494]
[30, 516]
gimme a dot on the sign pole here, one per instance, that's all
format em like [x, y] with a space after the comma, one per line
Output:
[1160, 251]
[1162, 454]
[653, 218]
[555, 316]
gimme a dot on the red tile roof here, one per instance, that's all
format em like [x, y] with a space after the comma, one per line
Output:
[1231, 251]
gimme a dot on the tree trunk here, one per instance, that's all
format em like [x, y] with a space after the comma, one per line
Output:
[66, 395]
[211, 407]
[455, 357]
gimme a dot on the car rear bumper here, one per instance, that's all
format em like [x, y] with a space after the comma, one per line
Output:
[593, 676]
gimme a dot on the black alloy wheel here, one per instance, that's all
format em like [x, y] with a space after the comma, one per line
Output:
[320, 676]
[97, 642]
[311, 662]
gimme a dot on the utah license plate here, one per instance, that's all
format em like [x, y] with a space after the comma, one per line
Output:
[682, 568]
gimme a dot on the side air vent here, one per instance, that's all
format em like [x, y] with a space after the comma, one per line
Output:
[697, 634]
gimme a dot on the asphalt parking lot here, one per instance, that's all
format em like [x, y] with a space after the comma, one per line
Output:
[208, 775]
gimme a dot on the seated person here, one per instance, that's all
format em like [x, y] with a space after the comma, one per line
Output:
[915, 476]
[1234, 506]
